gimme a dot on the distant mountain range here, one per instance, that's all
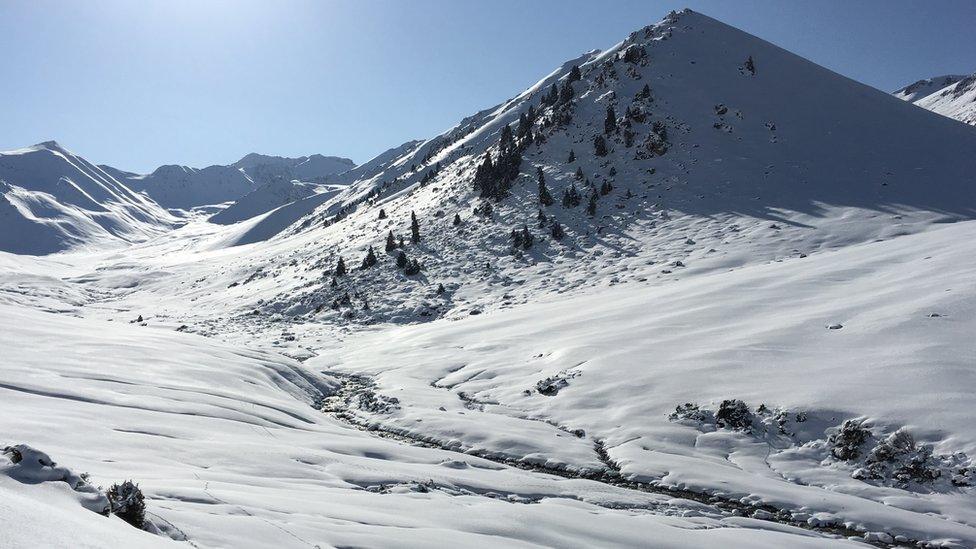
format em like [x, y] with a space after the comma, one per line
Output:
[53, 200]
[950, 95]
[183, 187]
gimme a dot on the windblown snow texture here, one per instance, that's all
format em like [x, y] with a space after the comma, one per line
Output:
[744, 319]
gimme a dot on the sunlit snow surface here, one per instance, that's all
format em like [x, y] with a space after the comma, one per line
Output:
[809, 250]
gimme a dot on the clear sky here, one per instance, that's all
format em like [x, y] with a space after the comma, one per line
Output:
[139, 83]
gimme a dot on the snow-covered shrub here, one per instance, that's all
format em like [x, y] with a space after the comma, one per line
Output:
[846, 443]
[551, 385]
[734, 414]
[900, 459]
[127, 502]
[691, 412]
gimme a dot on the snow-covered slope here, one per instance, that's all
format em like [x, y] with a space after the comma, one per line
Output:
[230, 452]
[716, 167]
[316, 167]
[52, 200]
[764, 251]
[952, 96]
[182, 187]
[263, 199]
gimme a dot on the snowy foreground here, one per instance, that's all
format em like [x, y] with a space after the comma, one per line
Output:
[231, 451]
[753, 327]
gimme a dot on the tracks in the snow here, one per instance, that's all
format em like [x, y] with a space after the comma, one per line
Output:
[341, 404]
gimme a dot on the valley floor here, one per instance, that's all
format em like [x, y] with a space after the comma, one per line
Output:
[548, 424]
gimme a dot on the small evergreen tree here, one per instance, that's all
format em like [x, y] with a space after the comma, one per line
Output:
[553, 96]
[390, 242]
[610, 123]
[599, 146]
[440, 289]
[572, 156]
[544, 197]
[557, 231]
[541, 217]
[591, 207]
[415, 227]
[579, 173]
[370, 259]
[340, 269]
[571, 198]
[527, 238]
[412, 268]
[574, 74]
[401, 260]
[751, 66]
[457, 219]
[382, 213]
[644, 94]
[566, 93]
[127, 502]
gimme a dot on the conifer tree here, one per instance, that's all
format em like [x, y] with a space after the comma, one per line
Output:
[579, 173]
[506, 141]
[414, 228]
[340, 269]
[644, 94]
[557, 231]
[572, 157]
[566, 93]
[390, 242]
[457, 219]
[440, 289]
[553, 96]
[571, 198]
[599, 146]
[527, 238]
[370, 259]
[401, 260]
[382, 213]
[610, 123]
[544, 197]
[574, 74]
[591, 207]
[412, 268]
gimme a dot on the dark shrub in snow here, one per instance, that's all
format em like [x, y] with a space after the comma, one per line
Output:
[846, 442]
[689, 411]
[127, 503]
[734, 414]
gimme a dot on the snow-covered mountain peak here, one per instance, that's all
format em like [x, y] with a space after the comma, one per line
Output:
[953, 96]
[54, 200]
[927, 86]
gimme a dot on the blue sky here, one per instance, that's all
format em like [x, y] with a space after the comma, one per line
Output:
[136, 84]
